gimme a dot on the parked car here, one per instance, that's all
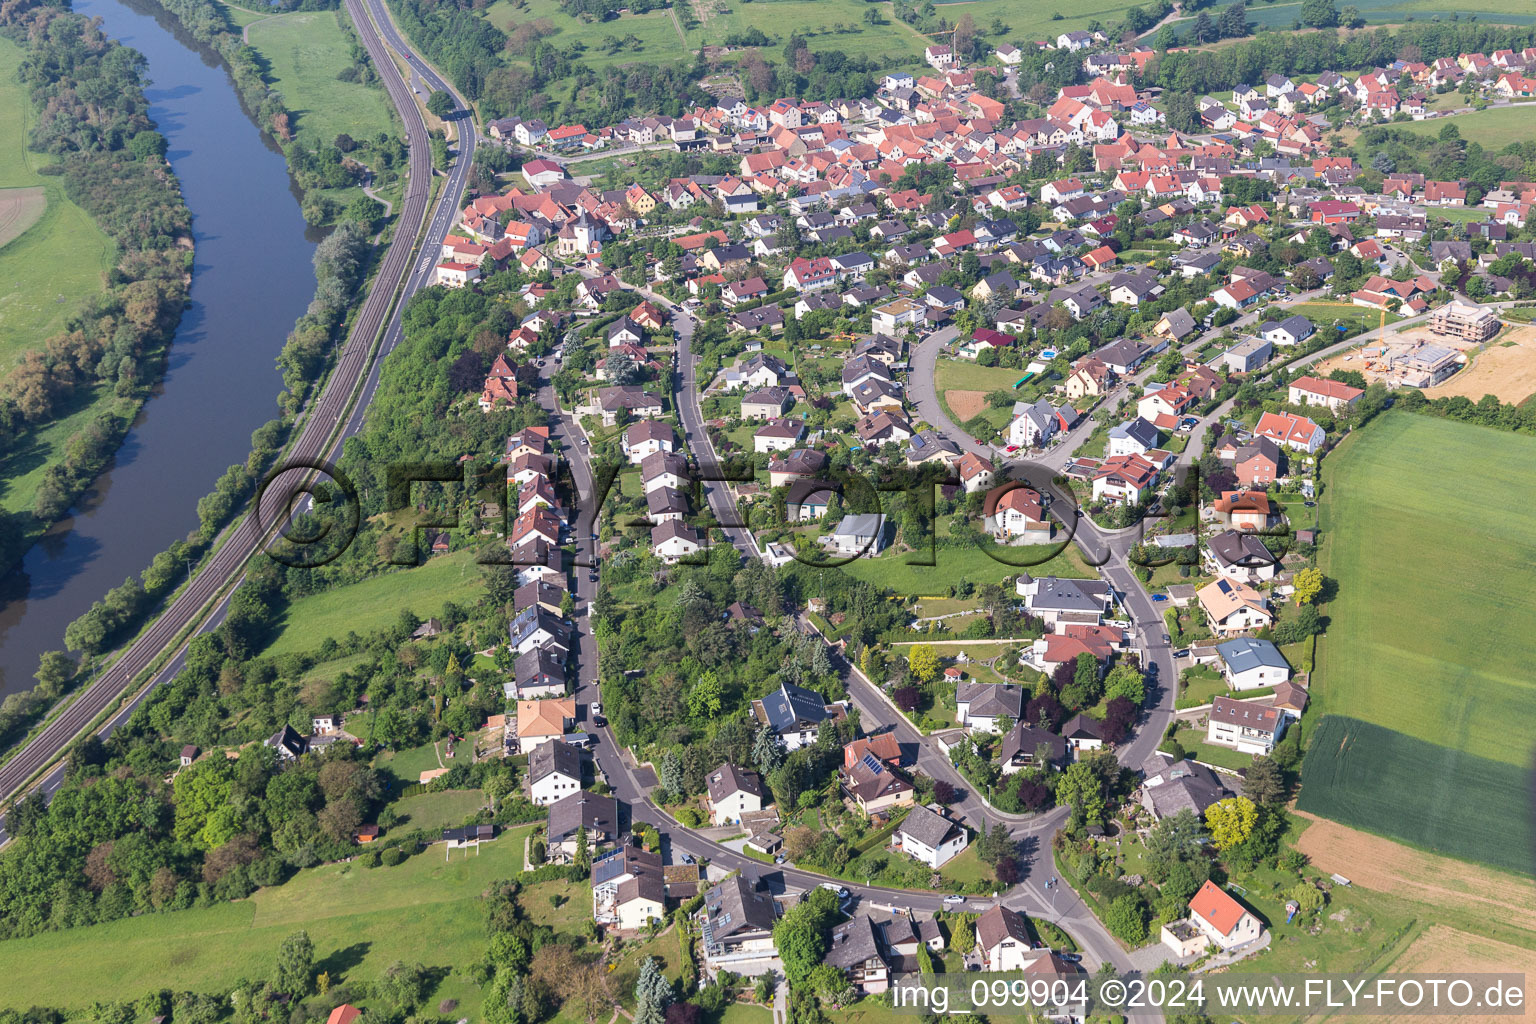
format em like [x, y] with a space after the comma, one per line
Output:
[842, 891]
[954, 900]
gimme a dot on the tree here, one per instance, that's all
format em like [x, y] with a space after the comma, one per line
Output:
[1319, 13]
[996, 845]
[54, 671]
[704, 698]
[1125, 680]
[908, 697]
[1127, 917]
[1264, 783]
[924, 663]
[767, 754]
[1307, 896]
[1309, 584]
[500, 582]
[583, 857]
[801, 935]
[295, 967]
[1233, 21]
[1081, 788]
[440, 104]
[653, 992]
[672, 775]
[1175, 839]
[1231, 821]
[1204, 29]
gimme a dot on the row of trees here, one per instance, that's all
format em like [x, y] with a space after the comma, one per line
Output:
[91, 113]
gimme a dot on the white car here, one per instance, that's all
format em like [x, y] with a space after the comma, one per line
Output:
[597, 709]
[842, 893]
[953, 900]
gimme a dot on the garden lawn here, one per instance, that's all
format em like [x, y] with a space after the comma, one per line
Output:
[405, 765]
[953, 564]
[445, 809]
[967, 868]
[1493, 128]
[377, 602]
[966, 375]
[1193, 741]
[1324, 314]
[304, 52]
[360, 920]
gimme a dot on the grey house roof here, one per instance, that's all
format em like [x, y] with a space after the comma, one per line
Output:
[1057, 594]
[1181, 786]
[1026, 739]
[734, 908]
[1138, 430]
[862, 528]
[728, 779]
[989, 700]
[1240, 549]
[791, 707]
[554, 758]
[599, 814]
[1245, 654]
[853, 944]
[927, 827]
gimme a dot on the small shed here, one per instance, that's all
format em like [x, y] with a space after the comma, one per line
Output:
[188, 754]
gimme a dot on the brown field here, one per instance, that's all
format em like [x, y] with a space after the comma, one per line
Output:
[1376, 863]
[20, 208]
[966, 404]
[1502, 369]
[1442, 949]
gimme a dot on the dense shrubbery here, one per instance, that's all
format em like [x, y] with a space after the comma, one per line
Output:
[92, 114]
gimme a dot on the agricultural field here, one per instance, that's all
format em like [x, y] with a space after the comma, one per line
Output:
[1432, 646]
[1444, 799]
[1375, 863]
[51, 253]
[1435, 645]
[304, 52]
[378, 602]
[359, 919]
[1494, 128]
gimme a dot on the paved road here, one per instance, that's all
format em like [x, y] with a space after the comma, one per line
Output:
[318, 436]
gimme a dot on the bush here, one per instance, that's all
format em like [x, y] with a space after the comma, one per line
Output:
[393, 856]
[371, 859]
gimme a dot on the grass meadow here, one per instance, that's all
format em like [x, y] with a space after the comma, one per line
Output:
[304, 51]
[62, 256]
[1493, 128]
[359, 919]
[377, 602]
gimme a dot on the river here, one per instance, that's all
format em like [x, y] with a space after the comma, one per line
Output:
[252, 280]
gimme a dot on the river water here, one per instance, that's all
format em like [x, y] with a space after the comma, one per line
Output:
[253, 278]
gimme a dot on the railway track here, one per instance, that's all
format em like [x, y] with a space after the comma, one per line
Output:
[323, 429]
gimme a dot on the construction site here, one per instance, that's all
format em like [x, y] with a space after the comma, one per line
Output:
[1422, 356]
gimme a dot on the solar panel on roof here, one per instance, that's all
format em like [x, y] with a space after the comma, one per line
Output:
[873, 763]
